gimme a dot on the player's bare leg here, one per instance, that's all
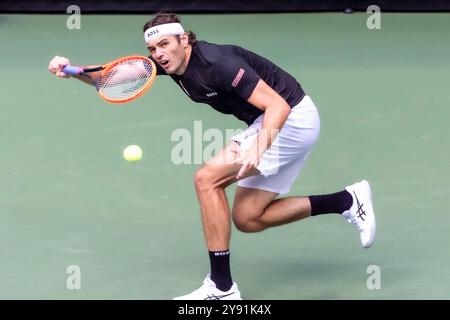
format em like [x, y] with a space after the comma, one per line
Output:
[251, 214]
[210, 183]
[255, 210]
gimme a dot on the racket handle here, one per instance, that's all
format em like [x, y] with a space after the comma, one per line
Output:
[72, 70]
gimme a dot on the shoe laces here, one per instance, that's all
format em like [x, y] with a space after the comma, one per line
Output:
[351, 219]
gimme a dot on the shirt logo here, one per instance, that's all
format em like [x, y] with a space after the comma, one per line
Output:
[238, 78]
[211, 94]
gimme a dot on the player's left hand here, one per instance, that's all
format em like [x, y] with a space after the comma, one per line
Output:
[249, 159]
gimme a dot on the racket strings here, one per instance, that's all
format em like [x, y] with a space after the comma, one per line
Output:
[125, 80]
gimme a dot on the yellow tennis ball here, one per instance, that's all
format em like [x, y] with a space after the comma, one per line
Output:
[132, 153]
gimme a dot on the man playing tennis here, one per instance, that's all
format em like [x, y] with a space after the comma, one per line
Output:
[283, 126]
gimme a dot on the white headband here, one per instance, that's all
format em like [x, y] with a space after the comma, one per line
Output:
[163, 29]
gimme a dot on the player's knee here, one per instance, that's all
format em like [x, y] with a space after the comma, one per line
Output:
[203, 179]
[244, 223]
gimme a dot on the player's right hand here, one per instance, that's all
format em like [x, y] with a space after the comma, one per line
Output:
[57, 64]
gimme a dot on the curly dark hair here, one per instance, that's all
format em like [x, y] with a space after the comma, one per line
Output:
[167, 17]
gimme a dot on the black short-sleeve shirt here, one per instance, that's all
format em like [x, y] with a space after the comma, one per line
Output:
[224, 76]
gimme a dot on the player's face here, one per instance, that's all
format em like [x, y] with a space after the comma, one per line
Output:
[169, 52]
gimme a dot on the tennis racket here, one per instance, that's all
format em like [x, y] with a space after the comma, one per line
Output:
[121, 80]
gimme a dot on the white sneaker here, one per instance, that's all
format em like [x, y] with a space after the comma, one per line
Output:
[208, 291]
[361, 212]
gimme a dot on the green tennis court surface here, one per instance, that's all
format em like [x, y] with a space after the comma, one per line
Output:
[68, 198]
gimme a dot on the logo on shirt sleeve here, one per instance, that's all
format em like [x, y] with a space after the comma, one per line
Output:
[238, 78]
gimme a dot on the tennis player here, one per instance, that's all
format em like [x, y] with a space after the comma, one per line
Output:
[265, 159]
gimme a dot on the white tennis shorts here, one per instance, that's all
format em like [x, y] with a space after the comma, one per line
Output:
[282, 163]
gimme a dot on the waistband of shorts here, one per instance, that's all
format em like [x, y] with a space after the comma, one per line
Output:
[299, 105]
[300, 100]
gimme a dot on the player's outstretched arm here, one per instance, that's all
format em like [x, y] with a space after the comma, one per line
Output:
[57, 64]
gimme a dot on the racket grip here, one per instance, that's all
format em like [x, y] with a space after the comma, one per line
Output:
[72, 70]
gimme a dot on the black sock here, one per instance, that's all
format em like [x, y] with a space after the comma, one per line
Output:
[331, 203]
[220, 269]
